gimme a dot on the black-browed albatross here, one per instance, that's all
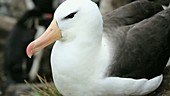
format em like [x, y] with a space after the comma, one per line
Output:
[123, 56]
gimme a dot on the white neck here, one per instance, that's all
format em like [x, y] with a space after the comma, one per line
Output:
[77, 51]
[83, 57]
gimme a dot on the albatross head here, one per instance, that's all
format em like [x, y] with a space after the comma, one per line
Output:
[72, 19]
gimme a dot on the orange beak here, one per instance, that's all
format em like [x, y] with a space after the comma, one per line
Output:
[49, 36]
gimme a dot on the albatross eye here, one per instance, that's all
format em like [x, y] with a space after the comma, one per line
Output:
[70, 16]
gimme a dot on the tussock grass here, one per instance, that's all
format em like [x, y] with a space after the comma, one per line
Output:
[43, 89]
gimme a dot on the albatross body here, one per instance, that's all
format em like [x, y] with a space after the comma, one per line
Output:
[121, 54]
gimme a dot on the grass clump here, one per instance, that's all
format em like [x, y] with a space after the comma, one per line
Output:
[43, 89]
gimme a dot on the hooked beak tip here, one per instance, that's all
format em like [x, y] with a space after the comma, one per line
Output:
[29, 49]
[30, 56]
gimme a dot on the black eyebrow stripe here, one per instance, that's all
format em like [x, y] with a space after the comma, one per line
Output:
[71, 15]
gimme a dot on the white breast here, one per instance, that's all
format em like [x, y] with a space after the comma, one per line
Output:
[77, 67]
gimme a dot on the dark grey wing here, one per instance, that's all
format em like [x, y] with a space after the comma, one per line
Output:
[131, 13]
[144, 49]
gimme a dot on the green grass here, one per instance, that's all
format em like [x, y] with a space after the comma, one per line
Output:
[46, 88]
